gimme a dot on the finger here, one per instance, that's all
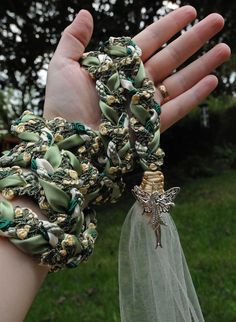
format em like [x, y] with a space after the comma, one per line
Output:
[159, 32]
[168, 59]
[187, 77]
[177, 108]
[76, 37]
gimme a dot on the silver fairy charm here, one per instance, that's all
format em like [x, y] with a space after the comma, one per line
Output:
[155, 201]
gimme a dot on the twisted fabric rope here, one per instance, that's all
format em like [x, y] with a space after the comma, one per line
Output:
[130, 115]
[69, 166]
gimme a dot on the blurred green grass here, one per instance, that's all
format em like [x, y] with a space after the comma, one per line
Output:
[205, 217]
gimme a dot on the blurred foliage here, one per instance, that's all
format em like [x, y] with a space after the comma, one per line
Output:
[220, 103]
[228, 10]
[10, 108]
[193, 150]
[4, 121]
[30, 30]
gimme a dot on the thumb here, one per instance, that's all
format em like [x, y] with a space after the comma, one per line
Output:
[76, 36]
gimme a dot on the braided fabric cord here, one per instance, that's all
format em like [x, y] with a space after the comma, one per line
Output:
[65, 166]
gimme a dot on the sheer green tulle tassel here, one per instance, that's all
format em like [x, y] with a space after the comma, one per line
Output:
[155, 283]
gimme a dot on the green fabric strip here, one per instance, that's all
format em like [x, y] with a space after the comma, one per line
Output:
[34, 245]
[124, 149]
[113, 82]
[14, 180]
[53, 156]
[70, 142]
[118, 51]
[138, 80]
[57, 199]
[90, 61]
[28, 117]
[29, 136]
[154, 144]
[140, 113]
[109, 112]
[74, 162]
[6, 210]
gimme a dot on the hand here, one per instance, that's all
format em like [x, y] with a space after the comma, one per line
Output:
[71, 93]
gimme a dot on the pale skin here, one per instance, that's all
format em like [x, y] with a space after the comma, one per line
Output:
[70, 93]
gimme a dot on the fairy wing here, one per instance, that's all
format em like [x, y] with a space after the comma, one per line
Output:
[171, 193]
[165, 200]
[142, 196]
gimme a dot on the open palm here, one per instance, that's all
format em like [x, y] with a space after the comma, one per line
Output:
[70, 92]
